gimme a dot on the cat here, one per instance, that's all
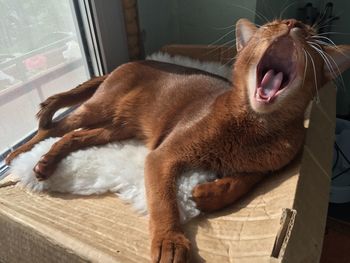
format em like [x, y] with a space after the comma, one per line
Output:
[191, 119]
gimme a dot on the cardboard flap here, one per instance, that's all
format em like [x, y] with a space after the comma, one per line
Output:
[282, 238]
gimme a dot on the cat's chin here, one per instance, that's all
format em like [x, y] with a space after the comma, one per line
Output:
[263, 107]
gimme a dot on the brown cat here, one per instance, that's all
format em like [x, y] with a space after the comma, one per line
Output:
[191, 119]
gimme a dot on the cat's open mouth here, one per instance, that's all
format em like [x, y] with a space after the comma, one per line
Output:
[276, 69]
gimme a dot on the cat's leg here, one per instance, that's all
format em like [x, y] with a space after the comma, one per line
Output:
[39, 136]
[74, 141]
[223, 192]
[169, 243]
[82, 116]
[79, 94]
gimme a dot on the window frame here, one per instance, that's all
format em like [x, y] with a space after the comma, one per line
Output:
[110, 45]
[104, 49]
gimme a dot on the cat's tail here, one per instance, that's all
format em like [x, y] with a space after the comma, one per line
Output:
[69, 98]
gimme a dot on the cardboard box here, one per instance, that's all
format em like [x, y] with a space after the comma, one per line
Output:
[223, 54]
[281, 220]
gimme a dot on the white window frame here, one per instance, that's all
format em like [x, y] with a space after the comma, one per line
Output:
[107, 29]
[103, 36]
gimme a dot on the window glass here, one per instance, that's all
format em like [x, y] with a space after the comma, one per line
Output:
[40, 55]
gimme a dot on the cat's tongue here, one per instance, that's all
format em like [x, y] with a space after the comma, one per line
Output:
[269, 85]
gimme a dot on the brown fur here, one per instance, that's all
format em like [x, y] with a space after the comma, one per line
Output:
[189, 119]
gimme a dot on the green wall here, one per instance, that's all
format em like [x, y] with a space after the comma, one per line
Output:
[158, 22]
[190, 22]
[207, 21]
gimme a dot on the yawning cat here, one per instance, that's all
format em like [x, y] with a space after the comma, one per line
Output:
[191, 119]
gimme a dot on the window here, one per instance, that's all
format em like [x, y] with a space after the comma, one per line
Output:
[49, 46]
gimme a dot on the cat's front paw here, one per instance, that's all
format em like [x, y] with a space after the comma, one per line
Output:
[171, 248]
[44, 168]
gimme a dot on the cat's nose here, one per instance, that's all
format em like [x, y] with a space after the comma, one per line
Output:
[291, 23]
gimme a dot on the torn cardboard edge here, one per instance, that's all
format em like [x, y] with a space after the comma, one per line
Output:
[283, 234]
[8, 180]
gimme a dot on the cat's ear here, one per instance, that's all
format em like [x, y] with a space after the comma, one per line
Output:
[244, 31]
[338, 60]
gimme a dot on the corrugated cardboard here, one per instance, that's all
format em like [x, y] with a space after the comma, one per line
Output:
[281, 220]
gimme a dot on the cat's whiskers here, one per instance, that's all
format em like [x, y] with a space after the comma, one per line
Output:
[331, 45]
[334, 46]
[230, 43]
[317, 24]
[325, 23]
[337, 79]
[326, 38]
[305, 68]
[326, 26]
[229, 62]
[333, 33]
[317, 98]
[319, 28]
[258, 14]
[322, 42]
[328, 63]
[324, 55]
[222, 37]
[252, 54]
[233, 41]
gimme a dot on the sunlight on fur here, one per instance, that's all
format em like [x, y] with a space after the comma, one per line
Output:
[115, 167]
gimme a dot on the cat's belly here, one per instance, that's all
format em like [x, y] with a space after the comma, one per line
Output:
[160, 99]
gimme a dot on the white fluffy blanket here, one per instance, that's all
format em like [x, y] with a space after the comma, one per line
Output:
[115, 167]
